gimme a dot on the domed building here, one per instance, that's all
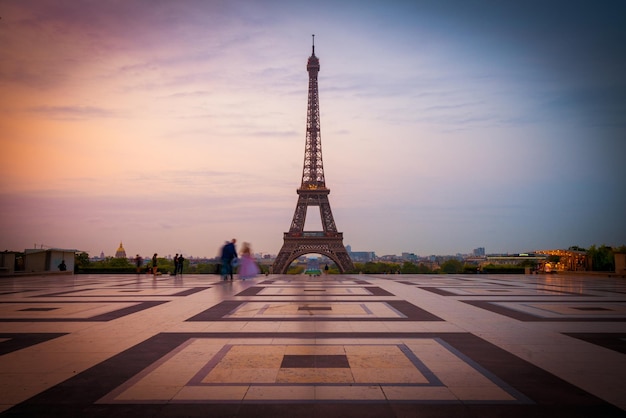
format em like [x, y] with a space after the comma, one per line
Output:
[121, 252]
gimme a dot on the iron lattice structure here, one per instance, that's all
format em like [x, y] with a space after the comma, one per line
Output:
[313, 192]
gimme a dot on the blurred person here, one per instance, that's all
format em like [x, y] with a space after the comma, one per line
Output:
[138, 263]
[229, 257]
[247, 267]
[154, 265]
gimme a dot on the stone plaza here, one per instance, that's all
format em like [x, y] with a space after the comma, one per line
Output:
[299, 346]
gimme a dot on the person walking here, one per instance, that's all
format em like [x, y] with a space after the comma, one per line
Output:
[154, 265]
[229, 255]
[247, 268]
[176, 264]
[138, 263]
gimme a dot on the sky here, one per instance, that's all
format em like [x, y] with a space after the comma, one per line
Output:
[172, 126]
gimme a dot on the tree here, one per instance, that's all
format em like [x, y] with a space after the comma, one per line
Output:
[376, 268]
[203, 268]
[118, 262]
[531, 263]
[333, 269]
[409, 268]
[602, 258]
[424, 269]
[81, 260]
[295, 269]
[452, 266]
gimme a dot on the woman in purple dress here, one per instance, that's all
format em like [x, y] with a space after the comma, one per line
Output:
[247, 266]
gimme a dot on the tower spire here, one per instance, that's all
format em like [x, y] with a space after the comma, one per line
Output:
[313, 171]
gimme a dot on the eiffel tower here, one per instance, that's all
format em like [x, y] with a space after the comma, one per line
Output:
[313, 192]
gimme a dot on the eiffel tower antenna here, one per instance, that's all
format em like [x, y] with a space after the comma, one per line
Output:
[313, 192]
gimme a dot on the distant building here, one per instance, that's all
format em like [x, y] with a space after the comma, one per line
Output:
[96, 258]
[362, 256]
[7, 262]
[409, 257]
[479, 252]
[568, 260]
[475, 260]
[49, 260]
[515, 259]
[121, 252]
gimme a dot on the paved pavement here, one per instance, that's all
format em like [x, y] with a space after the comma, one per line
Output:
[330, 346]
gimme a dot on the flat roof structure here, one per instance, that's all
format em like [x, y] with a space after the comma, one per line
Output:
[300, 346]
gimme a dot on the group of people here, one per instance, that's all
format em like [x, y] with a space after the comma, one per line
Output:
[179, 261]
[248, 267]
[229, 259]
[178, 264]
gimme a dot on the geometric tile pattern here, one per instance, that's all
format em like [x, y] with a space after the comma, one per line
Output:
[278, 372]
[613, 341]
[70, 311]
[17, 341]
[126, 292]
[317, 290]
[338, 345]
[312, 310]
[562, 311]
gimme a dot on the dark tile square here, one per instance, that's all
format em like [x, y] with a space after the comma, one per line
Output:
[19, 341]
[38, 309]
[315, 361]
[591, 308]
[612, 341]
[315, 308]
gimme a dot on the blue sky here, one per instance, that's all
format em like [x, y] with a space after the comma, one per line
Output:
[445, 125]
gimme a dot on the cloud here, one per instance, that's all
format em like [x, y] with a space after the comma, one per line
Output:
[73, 112]
[159, 221]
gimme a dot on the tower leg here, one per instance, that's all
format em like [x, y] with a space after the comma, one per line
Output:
[296, 246]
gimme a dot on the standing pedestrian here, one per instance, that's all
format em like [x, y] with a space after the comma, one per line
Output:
[176, 264]
[229, 255]
[154, 265]
[181, 261]
[138, 263]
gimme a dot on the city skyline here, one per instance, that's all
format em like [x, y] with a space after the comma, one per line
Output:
[445, 126]
[479, 251]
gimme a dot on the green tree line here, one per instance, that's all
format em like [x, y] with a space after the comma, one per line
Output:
[601, 258]
[125, 266]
